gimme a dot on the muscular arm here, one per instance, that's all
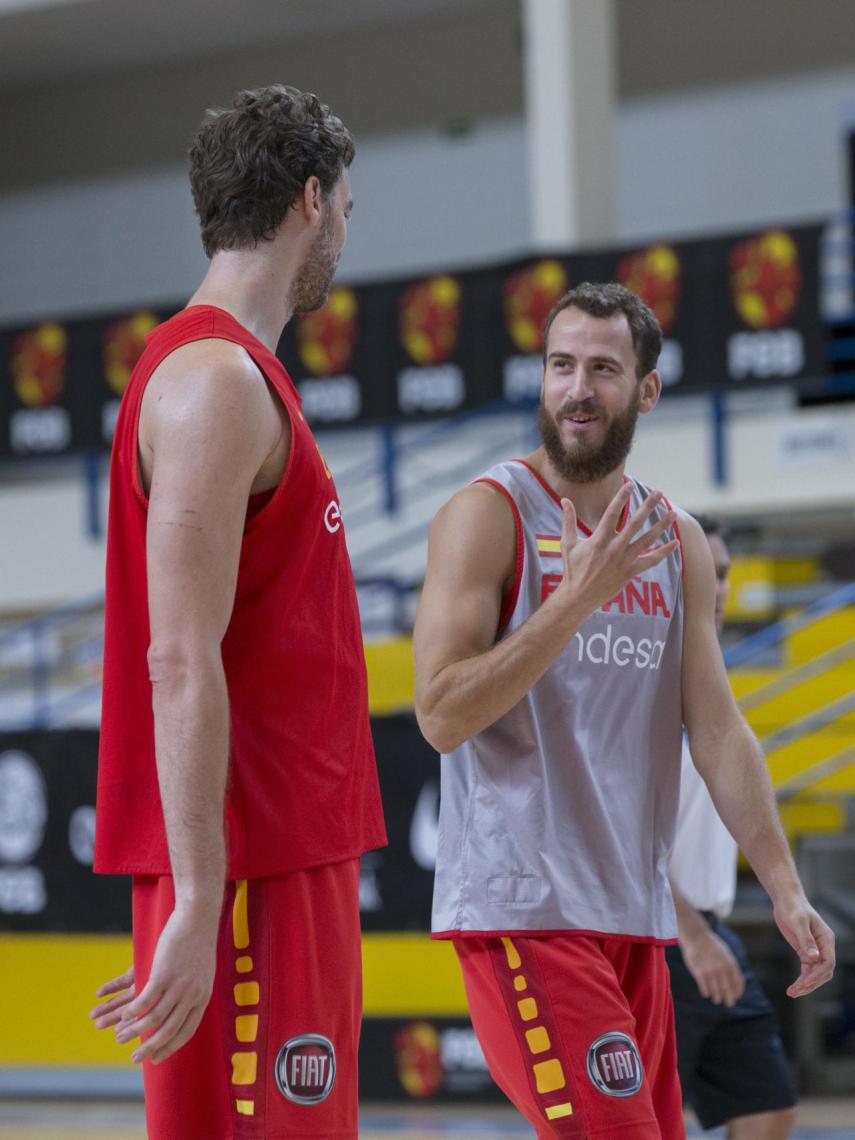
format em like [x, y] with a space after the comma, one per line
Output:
[207, 428]
[731, 761]
[465, 682]
[202, 473]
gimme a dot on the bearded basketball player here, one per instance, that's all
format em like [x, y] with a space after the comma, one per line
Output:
[566, 634]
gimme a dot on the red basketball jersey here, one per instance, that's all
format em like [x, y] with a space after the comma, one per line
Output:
[302, 788]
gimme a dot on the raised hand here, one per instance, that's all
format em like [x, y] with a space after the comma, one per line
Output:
[598, 567]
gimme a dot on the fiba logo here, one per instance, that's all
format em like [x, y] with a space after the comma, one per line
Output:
[23, 821]
[614, 1065]
[305, 1068]
[23, 807]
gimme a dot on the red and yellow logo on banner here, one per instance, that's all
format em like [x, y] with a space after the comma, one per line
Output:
[326, 339]
[765, 279]
[653, 274]
[429, 319]
[38, 364]
[418, 1057]
[124, 341]
[529, 297]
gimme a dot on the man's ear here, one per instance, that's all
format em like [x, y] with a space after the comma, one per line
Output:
[311, 201]
[651, 390]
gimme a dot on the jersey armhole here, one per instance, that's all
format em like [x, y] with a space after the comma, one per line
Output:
[509, 602]
[679, 536]
[278, 396]
[293, 417]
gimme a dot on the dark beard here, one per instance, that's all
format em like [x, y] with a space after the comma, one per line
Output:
[580, 462]
[312, 285]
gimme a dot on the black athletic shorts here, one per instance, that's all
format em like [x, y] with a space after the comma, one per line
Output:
[731, 1061]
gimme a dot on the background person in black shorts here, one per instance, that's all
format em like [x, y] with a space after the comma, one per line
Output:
[732, 1064]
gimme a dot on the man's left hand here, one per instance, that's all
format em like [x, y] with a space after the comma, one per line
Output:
[813, 941]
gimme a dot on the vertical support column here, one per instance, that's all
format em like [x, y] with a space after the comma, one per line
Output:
[570, 85]
[91, 481]
[718, 419]
[41, 676]
[390, 468]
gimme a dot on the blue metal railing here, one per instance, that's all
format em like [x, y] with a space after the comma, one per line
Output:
[387, 605]
[771, 635]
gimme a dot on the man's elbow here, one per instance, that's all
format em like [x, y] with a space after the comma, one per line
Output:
[175, 660]
[437, 729]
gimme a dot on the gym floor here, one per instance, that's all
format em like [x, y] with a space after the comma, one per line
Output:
[118, 1120]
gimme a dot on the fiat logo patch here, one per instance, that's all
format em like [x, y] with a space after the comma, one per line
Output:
[614, 1065]
[305, 1068]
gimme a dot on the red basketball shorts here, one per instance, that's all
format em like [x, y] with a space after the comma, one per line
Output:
[579, 1033]
[276, 1051]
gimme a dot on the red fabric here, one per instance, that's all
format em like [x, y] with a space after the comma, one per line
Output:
[580, 989]
[303, 787]
[646, 939]
[304, 950]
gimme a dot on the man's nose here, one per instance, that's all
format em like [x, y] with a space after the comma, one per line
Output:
[579, 385]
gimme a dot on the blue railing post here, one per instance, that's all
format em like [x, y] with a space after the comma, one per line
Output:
[41, 677]
[389, 445]
[91, 480]
[718, 419]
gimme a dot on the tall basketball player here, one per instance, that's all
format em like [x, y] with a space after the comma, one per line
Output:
[236, 779]
[566, 634]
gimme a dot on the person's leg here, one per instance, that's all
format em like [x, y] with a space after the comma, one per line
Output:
[763, 1125]
[743, 1076]
[315, 977]
[186, 1096]
[694, 1018]
[276, 1052]
[644, 978]
[558, 1035]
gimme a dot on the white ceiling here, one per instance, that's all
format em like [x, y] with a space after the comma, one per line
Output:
[662, 44]
[56, 40]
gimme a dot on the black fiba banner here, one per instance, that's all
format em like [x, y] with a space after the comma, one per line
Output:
[47, 832]
[397, 881]
[735, 311]
[765, 290]
[43, 392]
[423, 1059]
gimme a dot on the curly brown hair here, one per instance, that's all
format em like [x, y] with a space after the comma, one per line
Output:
[606, 299]
[250, 162]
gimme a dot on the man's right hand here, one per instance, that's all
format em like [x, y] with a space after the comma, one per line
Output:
[597, 568]
[716, 971]
[173, 1000]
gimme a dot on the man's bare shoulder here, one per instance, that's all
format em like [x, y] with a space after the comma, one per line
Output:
[209, 402]
[210, 389]
[480, 508]
[692, 537]
[204, 371]
[698, 567]
[474, 535]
